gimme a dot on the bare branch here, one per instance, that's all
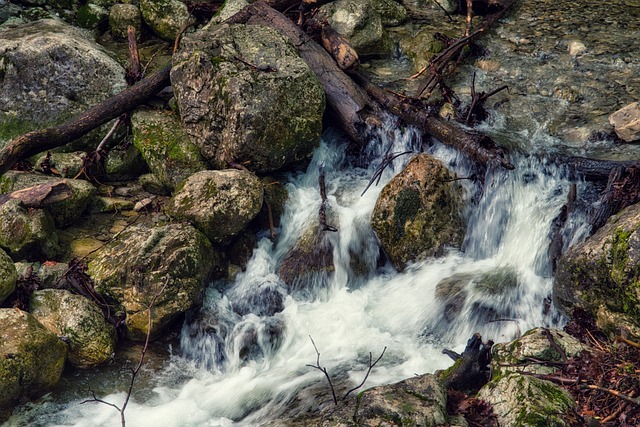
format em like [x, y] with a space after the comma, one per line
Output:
[371, 365]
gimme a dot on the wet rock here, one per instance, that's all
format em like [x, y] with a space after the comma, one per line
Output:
[241, 249]
[165, 146]
[27, 233]
[170, 264]
[417, 214]
[121, 16]
[525, 401]
[626, 122]
[264, 297]
[91, 340]
[165, 17]
[255, 339]
[576, 48]
[362, 22]
[267, 115]
[276, 196]
[8, 276]
[420, 47]
[534, 344]
[49, 72]
[600, 274]
[453, 294]
[31, 358]
[218, 203]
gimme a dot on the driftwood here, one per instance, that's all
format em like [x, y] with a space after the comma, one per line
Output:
[339, 47]
[623, 190]
[45, 139]
[471, 370]
[40, 195]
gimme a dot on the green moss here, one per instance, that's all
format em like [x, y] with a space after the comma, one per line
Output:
[407, 206]
[11, 127]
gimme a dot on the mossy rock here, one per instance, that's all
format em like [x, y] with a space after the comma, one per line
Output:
[27, 233]
[123, 165]
[121, 16]
[166, 267]
[165, 17]
[418, 213]
[66, 165]
[91, 339]
[31, 358]
[8, 276]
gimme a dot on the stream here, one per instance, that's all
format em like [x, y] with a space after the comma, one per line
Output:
[228, 369]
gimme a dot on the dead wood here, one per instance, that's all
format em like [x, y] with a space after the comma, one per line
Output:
[471, 370]
[340, 49]
[45, 139]
[40, 195]
[623, 190]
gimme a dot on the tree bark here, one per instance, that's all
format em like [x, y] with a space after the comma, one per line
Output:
[45, 139]
[40, 195]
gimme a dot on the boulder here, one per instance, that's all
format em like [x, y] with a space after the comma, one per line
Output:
[626, 122]
[600, 275]
[165, 147]
[91, 339]
[167, 266]
[421, 47]
[122, 164]
[363, 22]
[27, 233]
[50, 71]
[66, 165]
[218, 203]
[525, 401]
[31, 358]
[246, 96]
[418, 213]
[121, 16]
[8, 276]
[92, 17]
[165, 17]
[49, 273]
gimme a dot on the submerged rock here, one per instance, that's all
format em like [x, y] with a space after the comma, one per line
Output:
[167, 266]
[418, 213]
[218, 203]
[91, 340]
[50, 71]
[600, 275]
[8, 276]
[246, 96]
[31, 358]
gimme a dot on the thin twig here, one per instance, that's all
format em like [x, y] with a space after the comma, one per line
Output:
[371, 365]
[324, 371]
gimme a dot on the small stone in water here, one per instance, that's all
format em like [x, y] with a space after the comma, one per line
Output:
[576, 48]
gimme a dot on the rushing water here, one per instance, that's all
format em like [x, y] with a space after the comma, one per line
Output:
[247, 369]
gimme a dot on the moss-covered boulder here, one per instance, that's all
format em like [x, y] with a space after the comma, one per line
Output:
[363, 22]
[66, 165]
[27, 233]
[122, 164]
[420, 47]
[418, 213]
[165, 266]
[165, 17]
[601, 274]
[121, 16]
[91, 339]
[92, 17]
[525, 401]
[31, 358]
[246, 96]
[218, 203]
[8, 276]
[50, 71]
[166, 148]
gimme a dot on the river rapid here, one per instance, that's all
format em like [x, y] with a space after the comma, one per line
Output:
[558, 102]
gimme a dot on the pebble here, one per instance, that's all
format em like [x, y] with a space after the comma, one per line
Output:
[576, 48]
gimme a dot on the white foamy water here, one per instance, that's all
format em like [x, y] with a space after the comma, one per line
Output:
[246, 369]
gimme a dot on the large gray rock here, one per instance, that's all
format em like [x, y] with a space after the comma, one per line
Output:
[266, 115]
[50, 71]
[27, 233]
[165, 17]
[525, 401]
[31, 358]
[91, 339]
[363, 22]
[166, 148]
[626, 122]
[218, 203]
[168, 266]
[8, 276]
[600, 274]
[418, 213]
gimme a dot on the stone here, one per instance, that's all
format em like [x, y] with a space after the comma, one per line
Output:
[218, 203]
[50, 71]
[525, 401]
[276, 196]
[8, 276]
[165, 266]
[91, 339]
[418, 213]
[165, 17]
[31, 358]
[27, 233]
[420, 47]
[92, 16]
[123, 165]
[152, 184]
[65, 165]
[121, 16]
[49, 273]
[626, 122]
[165, 146]
[576, 48]
[267, 116]
[600, 274]
[101, 204]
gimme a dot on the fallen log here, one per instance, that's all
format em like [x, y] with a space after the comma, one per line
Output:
[471, 369]
[45, 139]
[40, 195]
